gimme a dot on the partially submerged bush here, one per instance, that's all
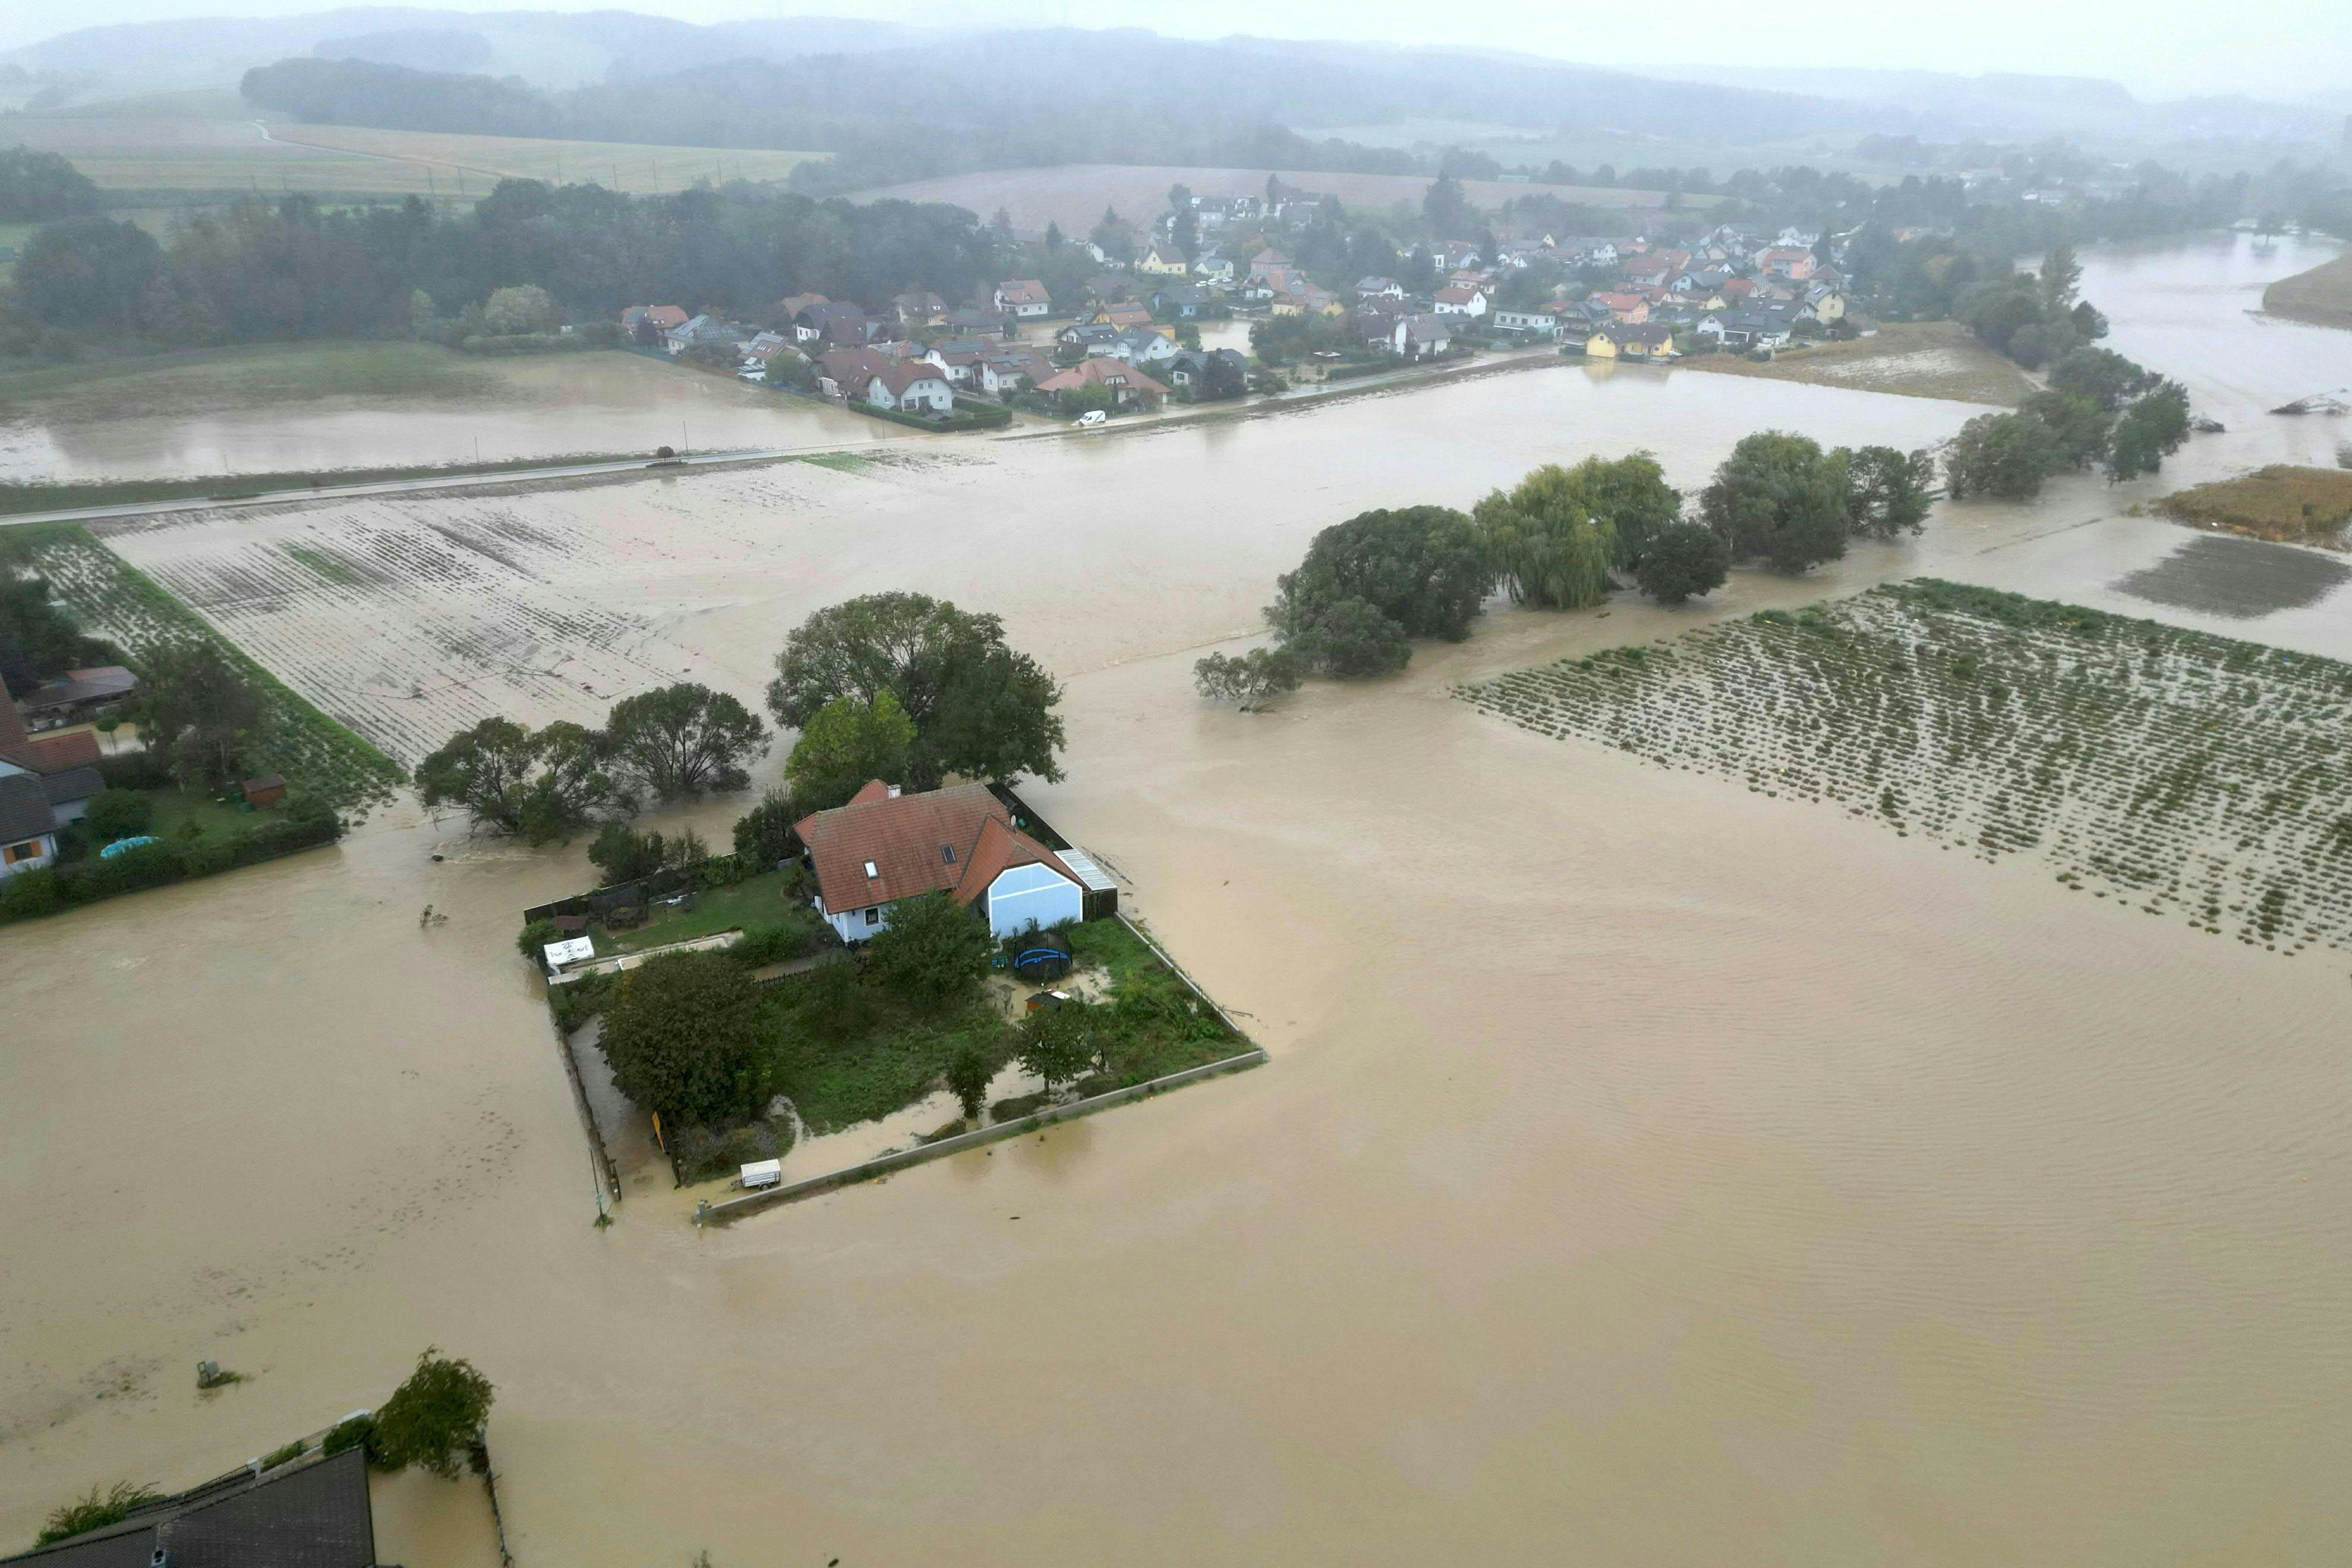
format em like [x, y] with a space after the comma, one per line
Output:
[433, 1420]
[103, 1507]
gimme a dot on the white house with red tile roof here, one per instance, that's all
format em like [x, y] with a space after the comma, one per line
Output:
[884, 846]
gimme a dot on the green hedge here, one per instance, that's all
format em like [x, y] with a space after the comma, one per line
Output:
[964, 418]
[594, 335]
[31, 893]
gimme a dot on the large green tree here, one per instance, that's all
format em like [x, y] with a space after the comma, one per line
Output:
[2102, 375]
[1372, 582]
[686, 1038]
[980, 708]
[2151, 430]
[1781, 497]
[683, 739]
[537, 784]
[38, 637]
[201, 711]
[2077, 423]
[932, 953]
[1554, 537]
[1683, 561]
[846, 744]
[434, 1419]
[1888, 492]
[2006, 456]
[1057, 1044]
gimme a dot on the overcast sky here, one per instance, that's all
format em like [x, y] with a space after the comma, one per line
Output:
[2270, 48]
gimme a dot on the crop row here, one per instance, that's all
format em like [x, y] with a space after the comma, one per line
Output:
[2188, 773]
[116, 600]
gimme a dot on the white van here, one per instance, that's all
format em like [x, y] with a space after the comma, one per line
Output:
[1092, 419]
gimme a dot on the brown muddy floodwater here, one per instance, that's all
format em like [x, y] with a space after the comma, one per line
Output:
[1649, 1172]
[556, 406]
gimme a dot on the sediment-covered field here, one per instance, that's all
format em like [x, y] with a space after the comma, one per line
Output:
[2187, 774]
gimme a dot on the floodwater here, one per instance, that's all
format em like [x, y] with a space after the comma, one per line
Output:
[1648, 1171]
[554, 406]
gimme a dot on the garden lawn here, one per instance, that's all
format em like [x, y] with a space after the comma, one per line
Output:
[756, 901]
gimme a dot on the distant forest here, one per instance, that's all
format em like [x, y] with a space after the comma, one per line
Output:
[294, 270]
[976, 103]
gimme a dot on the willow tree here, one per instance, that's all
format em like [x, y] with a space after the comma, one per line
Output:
[1546, 546]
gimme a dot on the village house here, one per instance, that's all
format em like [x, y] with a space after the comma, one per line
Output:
[1120, 315]
[1622, 343]
[910, 387]
[1379, 288]
[1539, 323]
[1162, 261]
[793, 304]
[832, 324]
[1791, 263]
[1625, 308]
[1217, 212]
[1024, 299]
[648, 323]
[1144, 346]
[703, 330]
[1005, 370]
[1093, 336]
[1191, 366]
[46, 781]
[1212, 267]
[1420, 337]
[1127, 384]
[919, 309]
[971, 321]
[1745, 329]
[1462, 299]
[843, 370]
[1185, 301]
[959, 358]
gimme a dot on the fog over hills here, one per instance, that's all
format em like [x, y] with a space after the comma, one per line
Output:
[710, 80]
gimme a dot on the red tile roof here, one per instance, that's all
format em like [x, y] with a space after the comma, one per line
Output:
[954, 841]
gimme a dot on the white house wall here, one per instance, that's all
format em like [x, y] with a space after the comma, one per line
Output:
[1024, 895]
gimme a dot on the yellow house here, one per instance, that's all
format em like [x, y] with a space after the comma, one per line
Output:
[1158, 262]
[1614, 343]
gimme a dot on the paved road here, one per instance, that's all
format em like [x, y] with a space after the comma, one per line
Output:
[431, 482]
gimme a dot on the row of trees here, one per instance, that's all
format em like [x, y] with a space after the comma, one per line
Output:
[293, 268]
[891, 686]
[2100, 409]
[1559, 540]
[549, 783]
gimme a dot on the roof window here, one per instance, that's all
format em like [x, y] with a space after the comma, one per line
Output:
[946, 854]
[870, 870]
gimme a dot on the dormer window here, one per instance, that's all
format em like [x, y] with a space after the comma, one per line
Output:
[870, 869]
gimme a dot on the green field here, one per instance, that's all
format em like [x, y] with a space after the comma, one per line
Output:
[112, 600]
[215, 145]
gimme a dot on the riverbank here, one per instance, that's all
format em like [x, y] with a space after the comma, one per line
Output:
[2322, 296]
[1907, 358]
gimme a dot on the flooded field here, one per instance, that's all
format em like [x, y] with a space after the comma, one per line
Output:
[1647, 1170]
[358, 406]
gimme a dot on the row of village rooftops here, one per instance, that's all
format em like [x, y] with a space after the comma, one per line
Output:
[1731, 287]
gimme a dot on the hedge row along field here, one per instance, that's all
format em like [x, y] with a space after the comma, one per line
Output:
[2189, 775]
[114, 600]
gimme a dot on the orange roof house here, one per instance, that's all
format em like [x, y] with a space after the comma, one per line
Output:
[884, 846]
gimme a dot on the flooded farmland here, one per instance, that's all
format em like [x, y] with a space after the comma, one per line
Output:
[335, 406]
[1646, 1167]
